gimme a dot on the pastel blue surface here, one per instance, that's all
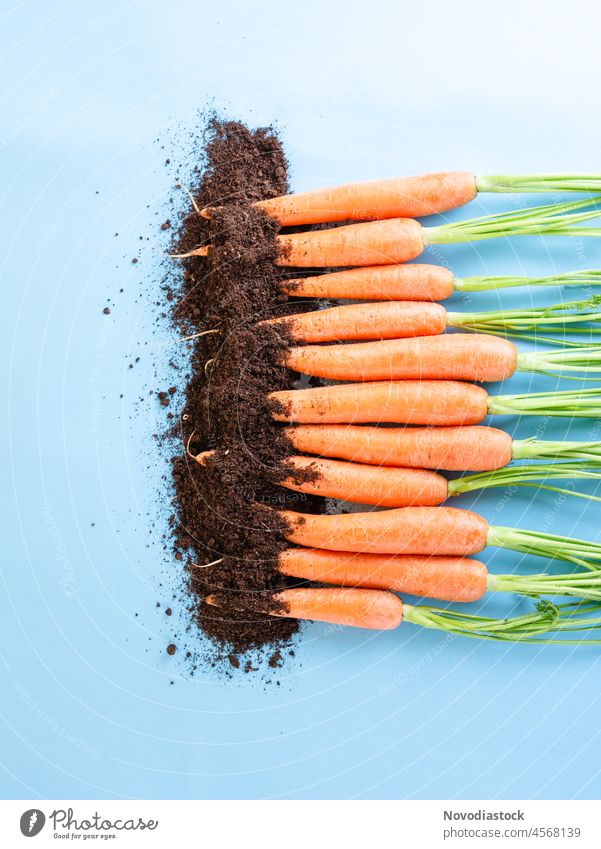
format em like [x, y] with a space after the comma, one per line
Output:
[359, 91]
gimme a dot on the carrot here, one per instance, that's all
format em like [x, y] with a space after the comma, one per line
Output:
[387, 320]
[416, 282]
[410, 282]
[381, 485]
[455, 356]
[444, 578]
[397, 319]
[429, 530]
[424, 402]
[387, 486]
[396, 240]
[458, 579]
[374, 609]
[475, 448]
[411, 197]
[465, 448]
[380, 610]
[405, 530]
[450, 356]
[410, 402]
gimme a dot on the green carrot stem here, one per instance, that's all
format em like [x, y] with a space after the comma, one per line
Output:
[569, 278]
[539, 449]
[535, 475]
[581, 403]
[539, 183]
[573, 316]
[578, 585]
[551, 546]
[552, 219]
[579, 361]
[546, 618]
[540, 621]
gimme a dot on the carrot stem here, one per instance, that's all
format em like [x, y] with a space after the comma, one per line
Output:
[546, 618]
[584, 403]
[553, 219]
[484, 284]
[539, 449]
[551, 546]
[500, 183]
[572, 317]
[526, 476]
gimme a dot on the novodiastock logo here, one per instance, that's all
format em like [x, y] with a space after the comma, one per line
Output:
[32, 822]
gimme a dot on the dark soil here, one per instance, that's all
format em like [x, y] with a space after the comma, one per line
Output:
[226, 511]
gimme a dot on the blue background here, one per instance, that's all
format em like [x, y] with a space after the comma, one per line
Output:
[359, 90]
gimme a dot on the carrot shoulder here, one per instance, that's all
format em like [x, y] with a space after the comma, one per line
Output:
[410, 282]
[409, 197]
[469, 448]
[455, 356]
[444, 578]
[423, 402]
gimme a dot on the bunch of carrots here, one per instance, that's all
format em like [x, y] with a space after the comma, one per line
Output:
[398, 366]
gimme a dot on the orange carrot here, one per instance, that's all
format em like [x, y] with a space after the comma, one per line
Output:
[376, 243]
[456, 356]
[424, 402]
[383, 486]
[478, 449]
[431, 530]
[444, 578]
[405, 530]
[410, 197]
[411, 282]
[389, 320]
[381, 610]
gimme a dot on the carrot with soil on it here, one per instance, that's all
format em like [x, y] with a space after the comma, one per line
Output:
[384, 611]
[429, 530]
[398, 319]
[423, 402]
[397, 240]
[450, 356]
[416, 282]
[446, 578]
[409, 197]
[391, 486]
[471, 448]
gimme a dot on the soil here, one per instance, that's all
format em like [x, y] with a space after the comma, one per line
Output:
[226, 513]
